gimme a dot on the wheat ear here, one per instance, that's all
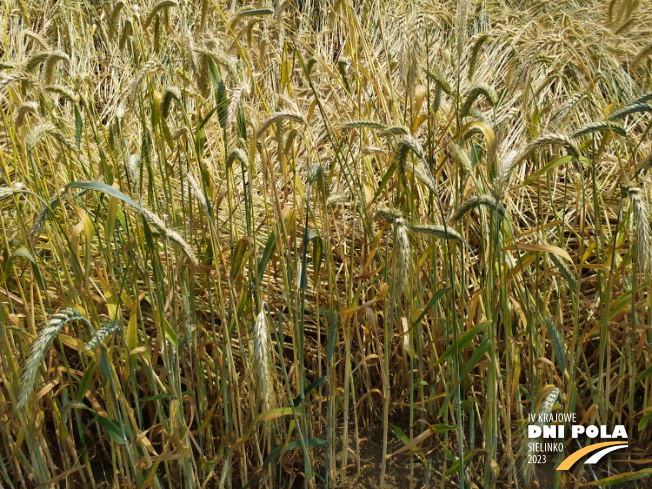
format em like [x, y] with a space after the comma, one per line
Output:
[105, 331]
[404, 254]
[40, 347]
[262, 367]
[642, 221]
[558, 343]
[173, 236]
[487, 200]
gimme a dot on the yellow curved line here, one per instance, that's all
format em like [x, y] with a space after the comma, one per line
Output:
[570, 461]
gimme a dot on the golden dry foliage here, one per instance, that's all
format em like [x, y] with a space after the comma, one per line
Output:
[325, 243]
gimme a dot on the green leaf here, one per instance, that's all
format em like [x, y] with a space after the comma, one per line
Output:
[86, 380]
[645, 373]
[622, 478]
[221, 100]
[475, 358]
[23, 253]
[270, 246]
[297, 400]
[332, 336]
[462, 342]
[443, 428]
[309, 236]
[78, 127]
[317, 255]
[170, 334]
[385, 180]
[241, 122]
[467, 460]
[421, 383]
[553, 164]
[278, 451]
[111, 428]
[644, 421]
[433, 300]
[238, 257]
[400, 433]
[107, 189]
[105, 369]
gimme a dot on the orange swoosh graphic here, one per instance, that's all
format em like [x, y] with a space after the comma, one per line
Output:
[570, 461]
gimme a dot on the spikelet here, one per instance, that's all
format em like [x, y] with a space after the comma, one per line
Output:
[503, 173]
[474, 92]
[424, 175]
[131, 91]
[394, 131]
[133, 169]
[643, 53]
[475, 51]
[235, 103]
[315, 173]
[182, 131]
[564, 270]
[62, 91]
[237, 154]
[488, 201]
[633, 108]
[461, 157]
[22, 111]
[390, 215]
[342, 64]
[413, 54]
[51, 64]
[262, 367]
[44, 214]
[598, 127]
[548, 139]
[558, 342]
[38, 38]
[37, 133]
[279, 117]
[170, 94]
[158, 225]
[405, 145]
[363, 125]
[199, 194]
[40, 347]
[643, 98]
[35, 61]
[101, 334]
[442, 232]
[156, 9]
[461, 26]
[564, 109]
[335, 199]
[6, 192]
[641, 218]
[439, 79]
[127, 32]
[544, 410]
[310, 64]
[6, 80]
[410, 143]
[248, 11]
[45, 129]
[404, 252]
[114, 18]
